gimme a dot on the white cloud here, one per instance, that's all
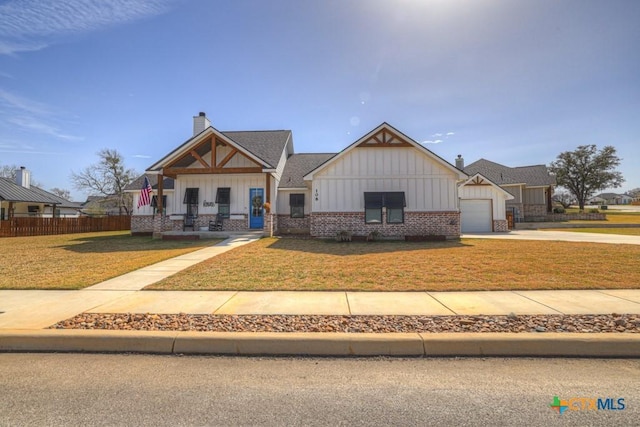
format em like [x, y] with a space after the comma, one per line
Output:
[436, 135]
[141, 156]
[435, 141]
[450, 133]
[28, 25]
[32, 116]
[36, 125]
[16, 102]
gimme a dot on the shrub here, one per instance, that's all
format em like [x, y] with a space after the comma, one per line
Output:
[373, 236]
[558, 210]
[594, 210]
[343, 236]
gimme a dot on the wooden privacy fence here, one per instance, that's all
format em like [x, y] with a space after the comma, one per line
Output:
[17, 227]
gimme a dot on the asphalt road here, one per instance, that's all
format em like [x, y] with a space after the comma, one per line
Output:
[95, 389]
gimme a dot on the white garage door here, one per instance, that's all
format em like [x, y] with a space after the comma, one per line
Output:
[475, 216]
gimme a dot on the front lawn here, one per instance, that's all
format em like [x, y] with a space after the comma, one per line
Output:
[471, 264]
[613, 217]
[74, 261]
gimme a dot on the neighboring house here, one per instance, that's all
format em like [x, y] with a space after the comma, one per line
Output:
[530, 186]
[21, 199]
[384, 182]
[611, 199]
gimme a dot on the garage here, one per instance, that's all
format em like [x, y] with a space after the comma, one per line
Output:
[475, 216]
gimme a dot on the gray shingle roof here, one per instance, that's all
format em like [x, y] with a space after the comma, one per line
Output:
[12, 192]
[136, 184]
[298, 165]
[532, 176]
[266, 144]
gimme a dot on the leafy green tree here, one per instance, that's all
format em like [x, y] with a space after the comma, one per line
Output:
[107, 178]
[587, 170]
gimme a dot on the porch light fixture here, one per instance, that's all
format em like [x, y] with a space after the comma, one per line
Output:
[316, 195]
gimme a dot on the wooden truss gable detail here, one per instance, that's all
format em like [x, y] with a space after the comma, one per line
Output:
[179, 165]
[385, 138]
[478, 180]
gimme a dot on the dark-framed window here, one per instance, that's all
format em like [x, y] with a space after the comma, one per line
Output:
[154, 202]
[33, 209]
[223, 200]
[393, 201]
[296, 203]
[373, 203]
[395, 204]
[191, 200]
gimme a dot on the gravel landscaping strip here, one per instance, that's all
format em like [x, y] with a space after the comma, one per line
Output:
[613, 323]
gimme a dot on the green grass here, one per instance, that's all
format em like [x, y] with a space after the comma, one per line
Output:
[74, 261]
[473, 264]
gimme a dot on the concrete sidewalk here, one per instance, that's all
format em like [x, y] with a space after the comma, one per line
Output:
[40, 309]
[25, 314]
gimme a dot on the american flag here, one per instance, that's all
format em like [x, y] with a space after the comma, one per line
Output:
[145, 194]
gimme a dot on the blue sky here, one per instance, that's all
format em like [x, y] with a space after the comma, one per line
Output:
[515, 82]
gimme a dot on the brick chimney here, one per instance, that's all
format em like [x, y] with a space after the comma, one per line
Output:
[460, 162]
[23, 177]
[200, 123]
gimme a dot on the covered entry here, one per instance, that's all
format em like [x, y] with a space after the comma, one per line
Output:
[476, 216]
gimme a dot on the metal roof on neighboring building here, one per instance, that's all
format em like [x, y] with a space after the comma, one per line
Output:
[12, 192]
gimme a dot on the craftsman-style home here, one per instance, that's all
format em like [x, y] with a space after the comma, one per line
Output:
[384, 184]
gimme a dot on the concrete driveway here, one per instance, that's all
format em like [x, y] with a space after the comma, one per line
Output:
[563, 236]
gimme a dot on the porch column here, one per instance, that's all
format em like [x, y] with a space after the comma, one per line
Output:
[268, 187]
[159, 206]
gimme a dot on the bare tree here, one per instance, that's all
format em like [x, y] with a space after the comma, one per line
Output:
[107, 178]
[61, 192]
[564, 198]
[8, 171]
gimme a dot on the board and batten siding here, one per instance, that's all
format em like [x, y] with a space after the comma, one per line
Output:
[428, 186]
[534, 196]
[283, 200]
[486, 192]
[209, 184]
[515, 191]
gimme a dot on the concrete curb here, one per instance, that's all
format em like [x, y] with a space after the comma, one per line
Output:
[323, 344]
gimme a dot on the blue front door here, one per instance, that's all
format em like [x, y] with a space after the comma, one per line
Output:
[256, 200]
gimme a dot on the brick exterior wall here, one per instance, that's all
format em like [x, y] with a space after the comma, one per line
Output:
[288, 225]
[158, 224]
[500, 225]
[141, 224]
[415, 224]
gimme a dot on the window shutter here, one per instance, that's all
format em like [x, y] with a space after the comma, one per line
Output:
[395, 200]
[373, 200]
[223, 195]
[296, 200]
[191, 196]
[154, 201]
